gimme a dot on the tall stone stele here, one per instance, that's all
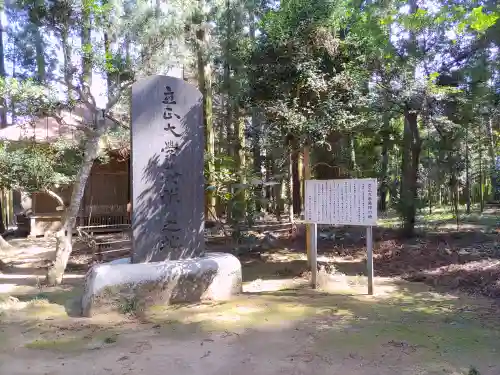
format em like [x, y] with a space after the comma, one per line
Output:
[167, 170]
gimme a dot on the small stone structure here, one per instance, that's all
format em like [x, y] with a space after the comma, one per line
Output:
[169, 263]
[114, 286]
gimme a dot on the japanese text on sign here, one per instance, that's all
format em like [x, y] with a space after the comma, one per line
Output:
[344, 202]
[170, 176]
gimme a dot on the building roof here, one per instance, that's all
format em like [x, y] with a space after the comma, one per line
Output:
[47, 129]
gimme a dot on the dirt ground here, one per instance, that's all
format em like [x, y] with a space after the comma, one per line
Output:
[279, 325]
[276, 327]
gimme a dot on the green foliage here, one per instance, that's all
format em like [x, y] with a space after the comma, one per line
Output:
[478, 20]
[299, 77]
[339, 75]
[35, 167]
[31, 98]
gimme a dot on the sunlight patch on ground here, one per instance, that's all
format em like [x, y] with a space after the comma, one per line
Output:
[244, 312]
[30, 303]
[407, 319]
[261, 285]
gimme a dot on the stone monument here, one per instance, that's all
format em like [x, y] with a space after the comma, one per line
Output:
[168, 263]
[167, 170]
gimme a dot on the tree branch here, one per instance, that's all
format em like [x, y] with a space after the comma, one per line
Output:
[56, 196]
[113, 100]
[116, 121]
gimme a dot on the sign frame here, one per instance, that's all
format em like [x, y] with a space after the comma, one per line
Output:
[348, 202]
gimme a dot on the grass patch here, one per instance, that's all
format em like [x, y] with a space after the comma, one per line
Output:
[129, 306]
[442, 216]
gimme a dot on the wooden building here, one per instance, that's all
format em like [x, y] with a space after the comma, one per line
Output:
[107, 192]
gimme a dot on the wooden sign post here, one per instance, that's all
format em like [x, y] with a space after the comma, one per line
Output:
[341, 202]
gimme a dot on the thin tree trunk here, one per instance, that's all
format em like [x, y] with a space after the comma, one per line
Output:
[491, 153]
[67, 61]
[64, 245]
[454, 196]
[277, 190]
[12, 102]
[481, 179]
[109, 58]
[227, 83]
[352, 153]
[429, 181]
[2, 218]
[3, 102]
[257, 127]
[40, 54]
[239, 114]
[128, 14]
[205, 85]
[295, 179]
[257, 159]
[240, 209]
[300, 176]
[268, 175]
[384, 185]
[86, 77]
[410, 163]
[467, 174]
[411, 147]
[290, 190]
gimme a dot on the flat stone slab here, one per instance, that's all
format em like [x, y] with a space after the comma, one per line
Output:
[121, 286]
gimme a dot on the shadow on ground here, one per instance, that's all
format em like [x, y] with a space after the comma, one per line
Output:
[404, 324]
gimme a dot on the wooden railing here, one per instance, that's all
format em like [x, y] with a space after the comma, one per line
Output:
[107, 241]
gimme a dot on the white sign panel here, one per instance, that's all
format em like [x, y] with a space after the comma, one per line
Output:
[344, 202]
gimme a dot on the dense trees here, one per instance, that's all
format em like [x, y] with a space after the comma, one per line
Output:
[405, 91]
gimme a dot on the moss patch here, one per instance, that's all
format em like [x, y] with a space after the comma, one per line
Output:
[62, 344]
[76, 341]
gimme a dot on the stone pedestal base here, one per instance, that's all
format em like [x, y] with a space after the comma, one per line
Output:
[115, 285]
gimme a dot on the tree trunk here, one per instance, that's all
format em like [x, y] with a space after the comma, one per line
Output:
[467, 174]
[12, 101]
[240, 208]
[384, 184]
[410, 163]
[268, 176]
[277, 190]
[109, 60]
[66, 47]
[238, 113]
[352, 159]
[257, 129]
[454, 196]
[290, 183]
[297, 201]
[3, 103]
[86, 77]
[257, 159]
[64, 245]
[40, 54]
[495, 196]
[429, 181]
[205, 85]
[231, 149]
[2, 223]
[481, 178]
